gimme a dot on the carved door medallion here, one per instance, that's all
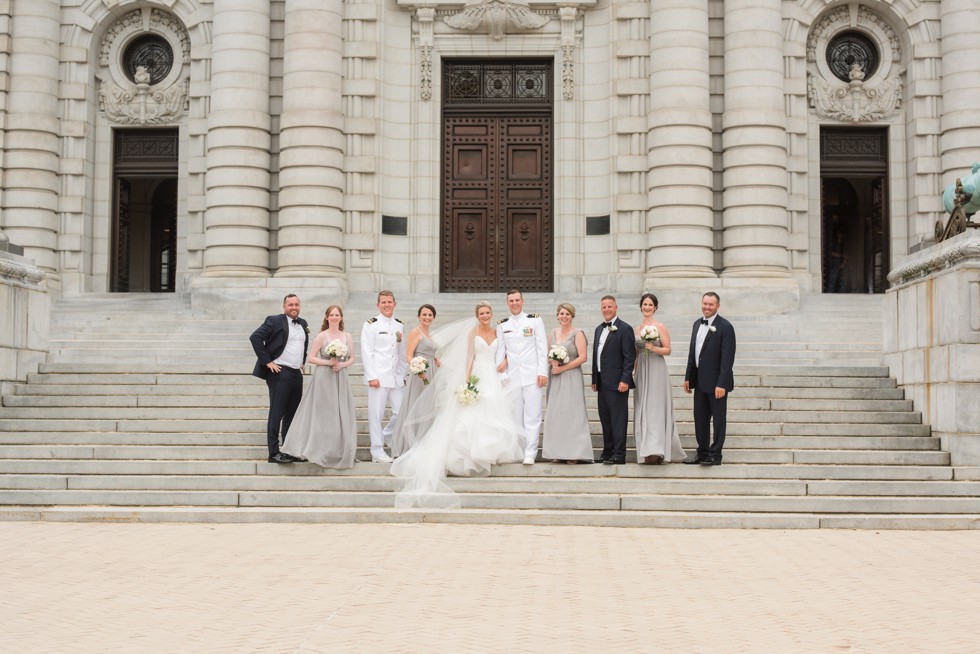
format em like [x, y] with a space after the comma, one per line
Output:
[496, 230]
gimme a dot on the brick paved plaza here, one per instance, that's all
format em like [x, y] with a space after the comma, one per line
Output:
[454, 588]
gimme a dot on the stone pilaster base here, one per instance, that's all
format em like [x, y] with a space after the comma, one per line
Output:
[26, 316]
[931, 326]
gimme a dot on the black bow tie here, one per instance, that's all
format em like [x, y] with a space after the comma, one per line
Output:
[704, 321]
[607, 324]
[295, 321]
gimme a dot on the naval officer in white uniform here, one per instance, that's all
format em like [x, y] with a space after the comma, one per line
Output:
[523, 358]
[385, 369]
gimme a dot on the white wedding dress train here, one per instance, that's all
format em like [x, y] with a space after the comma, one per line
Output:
[463, 441]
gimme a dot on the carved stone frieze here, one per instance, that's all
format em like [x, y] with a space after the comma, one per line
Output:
[426, 19]
[498, 15]
[143, 107]
[22, 273]
[855, 101]
[569, 19]
[965, 247]
[135, 99]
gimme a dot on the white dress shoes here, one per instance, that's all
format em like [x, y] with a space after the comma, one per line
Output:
[529, 460]
[382, 458]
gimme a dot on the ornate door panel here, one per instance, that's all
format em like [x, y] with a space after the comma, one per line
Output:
[120, 238]
[497, 194]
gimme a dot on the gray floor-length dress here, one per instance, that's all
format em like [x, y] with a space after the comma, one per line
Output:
[407, 434]
[566, 423]
[653, 408]
[324, 430]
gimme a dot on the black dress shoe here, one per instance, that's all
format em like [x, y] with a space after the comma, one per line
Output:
[714, 461]
[280, 458]
[694, 460]
[615, 461]
[293, 459]
[602, 459]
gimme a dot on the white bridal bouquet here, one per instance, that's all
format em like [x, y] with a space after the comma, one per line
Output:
[649, 334]
[419, 366]
[468, 393]
[337, 349]
[558, 353]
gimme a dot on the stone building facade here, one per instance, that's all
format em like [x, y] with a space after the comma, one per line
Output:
[185, 145]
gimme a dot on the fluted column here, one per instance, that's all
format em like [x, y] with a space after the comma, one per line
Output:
[311, 160]
[236, 222]
[754, 141]
[30, 176]
[679, 181]
[960, 123]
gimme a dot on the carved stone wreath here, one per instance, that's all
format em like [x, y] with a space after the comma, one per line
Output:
[867, 95]
[137, 98]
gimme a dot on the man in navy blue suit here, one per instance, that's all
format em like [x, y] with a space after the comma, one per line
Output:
[280, 346]
[613, 356]
[709, 376]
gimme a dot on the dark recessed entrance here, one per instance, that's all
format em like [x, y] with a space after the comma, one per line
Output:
[854, 209]
[144, 229]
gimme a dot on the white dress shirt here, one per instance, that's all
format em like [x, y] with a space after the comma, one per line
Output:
[292, 355]
[699, 343]
[602, 343]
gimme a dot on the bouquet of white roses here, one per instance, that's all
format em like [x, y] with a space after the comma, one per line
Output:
[649, 334]
[337, 349]
[468, 393]
[558, 353]
[418, 366]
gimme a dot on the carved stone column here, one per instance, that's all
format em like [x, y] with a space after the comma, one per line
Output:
[960, 43]
[236, 221]
[30, 176]
[679, 181]
[311, 178]
[754, 141]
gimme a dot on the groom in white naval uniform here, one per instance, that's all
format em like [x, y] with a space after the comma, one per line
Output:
[525, 346]
[385, 368]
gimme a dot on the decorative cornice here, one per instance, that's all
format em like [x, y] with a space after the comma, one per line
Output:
[955, 251]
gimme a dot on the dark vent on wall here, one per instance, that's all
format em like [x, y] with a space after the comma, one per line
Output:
[596, 225]
[394, 225]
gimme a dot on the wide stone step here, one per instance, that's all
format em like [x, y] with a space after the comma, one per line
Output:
[260, 392]
[620, 485]
[490, 500]
[259, 452]
[647, 519]
[253, 439]
[260, 467]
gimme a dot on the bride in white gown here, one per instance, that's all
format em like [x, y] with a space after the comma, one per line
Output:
[464, 440]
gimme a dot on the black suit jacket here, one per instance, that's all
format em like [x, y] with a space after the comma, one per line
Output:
[714, 369]
[269, 340]
[618, 357]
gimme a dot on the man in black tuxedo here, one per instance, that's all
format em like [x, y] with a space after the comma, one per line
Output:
[280, 344]
[613, 356]
[709, 376]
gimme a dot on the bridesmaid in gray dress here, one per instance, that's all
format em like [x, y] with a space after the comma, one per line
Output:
[566, 424]
[654, 427]
[324, 430]
[419, 344]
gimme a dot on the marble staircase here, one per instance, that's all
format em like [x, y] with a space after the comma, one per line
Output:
[146, 411]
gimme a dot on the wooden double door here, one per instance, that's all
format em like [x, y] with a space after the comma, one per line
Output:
[497, 203]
